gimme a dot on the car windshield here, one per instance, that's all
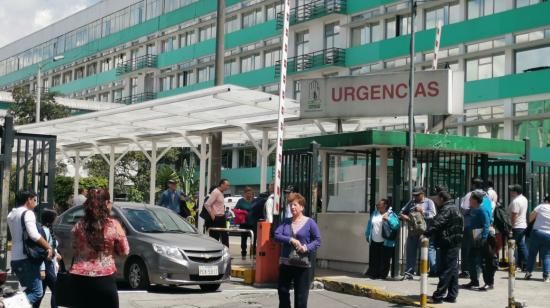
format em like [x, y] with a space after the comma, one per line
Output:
[157, 220]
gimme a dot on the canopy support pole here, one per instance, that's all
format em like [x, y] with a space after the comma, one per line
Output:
[153, 178]
[203, 156]
[265, 158]
[112, 164]
[76, 178]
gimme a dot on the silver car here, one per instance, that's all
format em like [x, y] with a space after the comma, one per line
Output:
[164, 248]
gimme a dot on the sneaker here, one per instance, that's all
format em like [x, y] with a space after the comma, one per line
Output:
[407, 276]
[546, 280]
[470, 285]
[487, 287]
[435, 300]
[449, 300]
[528, 276]
[464, 275]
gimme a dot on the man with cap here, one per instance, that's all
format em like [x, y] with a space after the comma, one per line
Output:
[427, 207]
[170, 198]
[291, 192]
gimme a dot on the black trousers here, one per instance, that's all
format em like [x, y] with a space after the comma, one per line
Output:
[219, 222]
[94, 292]
[245, 236]
[448, 273]
[297, 276]
[485, 258]
[379, 260]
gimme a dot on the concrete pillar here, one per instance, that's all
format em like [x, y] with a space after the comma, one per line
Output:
[508, 122]
[202, 178]
[76, 173]
[153, 179]
[112, 172]
[235, 158]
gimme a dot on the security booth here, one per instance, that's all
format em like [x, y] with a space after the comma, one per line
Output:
[343, 175]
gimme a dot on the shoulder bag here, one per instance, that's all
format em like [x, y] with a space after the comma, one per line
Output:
[388, 232]
[295, 258]
[32, 250]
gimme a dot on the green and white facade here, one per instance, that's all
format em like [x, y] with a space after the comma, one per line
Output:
[129, 51]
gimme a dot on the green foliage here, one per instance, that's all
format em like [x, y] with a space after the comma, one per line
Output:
[62, 190]
[190, 183]
[93, 182]
[135, 195]
[165, 174]
[24, 108]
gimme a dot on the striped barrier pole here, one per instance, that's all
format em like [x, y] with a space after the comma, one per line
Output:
[511, 273]
[424, 272]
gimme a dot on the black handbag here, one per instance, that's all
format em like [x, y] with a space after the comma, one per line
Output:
[32, 250]
[65, 292]
[387, 232]
[296, 258]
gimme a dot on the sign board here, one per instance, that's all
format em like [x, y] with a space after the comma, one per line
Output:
[436, 92]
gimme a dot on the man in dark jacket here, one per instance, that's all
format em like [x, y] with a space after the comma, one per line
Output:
[447, 230]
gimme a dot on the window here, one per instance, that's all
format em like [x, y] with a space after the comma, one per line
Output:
[483, 68]
[533, 36]
[120, 59]
[187, 38]
[154, 8]
[133, 86]
[231, 67]
[332, 35]
[302, 43]
[168, 44]
[250, 63]
[479, 8]
[522, 3]
[486, 45]
[404, 25]
[91, 69]
[532, 59]
[391, 28]
[206, 73]
[67, 77]
[252, 18]
[166, 83]
[150, 49]
[493, 130]
[104, 97]
[538, 132]
[117, 95]
[227, 159]
[56, 80]
[365, 34]
[448, 14]
[271, 57]
[247, 158]
[206, 33]
[231, 24]
[106, 64]
[297, 90]
[186, 78]
[79, 73]
[484, 113]
[137, 12]
[272, 10]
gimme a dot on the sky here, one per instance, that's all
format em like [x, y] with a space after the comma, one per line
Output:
[19, 18]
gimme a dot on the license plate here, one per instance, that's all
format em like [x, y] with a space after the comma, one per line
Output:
[208, 271]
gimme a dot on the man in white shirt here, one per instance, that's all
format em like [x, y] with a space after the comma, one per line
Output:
[270, 203]
[518, 212]
[26, 270]
[82, 196]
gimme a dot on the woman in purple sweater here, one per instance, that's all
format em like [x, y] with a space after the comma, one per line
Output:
[300, 237]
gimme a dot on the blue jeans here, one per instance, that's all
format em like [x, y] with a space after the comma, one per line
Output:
[28, 274]
[412, 246]
[540, 243]
[49, 281]
[521, 250]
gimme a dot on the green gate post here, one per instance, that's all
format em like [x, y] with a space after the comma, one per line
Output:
[313, 180]
[484, 167]
[396, 204]
[7, 146]
[372, 201]
[528, 180]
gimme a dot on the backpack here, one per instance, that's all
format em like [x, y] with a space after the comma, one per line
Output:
[503, 221]
[34, 252]
[417, 223]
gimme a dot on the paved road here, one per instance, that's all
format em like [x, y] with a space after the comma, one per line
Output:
[232, 295]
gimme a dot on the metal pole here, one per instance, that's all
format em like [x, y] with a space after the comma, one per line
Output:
[265, 158]
[112, 172]
[424, 272]
[511, 273]
[153, 179]
[76, 173]
[38, 94]
[202, 179]
[411, 100]
[7, 145]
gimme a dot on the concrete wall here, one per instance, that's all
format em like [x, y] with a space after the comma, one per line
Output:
[344, 245]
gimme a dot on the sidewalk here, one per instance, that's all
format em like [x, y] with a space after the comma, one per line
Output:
[534, 293]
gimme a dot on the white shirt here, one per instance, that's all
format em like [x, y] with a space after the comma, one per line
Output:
[519, 206]
[14, 223]
[288, 212]
[376, 232]
[542, 223]
[79, 200]
[493, 196]
[465, 204]
[269, 208]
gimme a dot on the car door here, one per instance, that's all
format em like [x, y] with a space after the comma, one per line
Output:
[120, 261]
[62, 230]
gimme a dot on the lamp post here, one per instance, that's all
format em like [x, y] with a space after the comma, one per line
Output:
[38, 86]
[411, 99]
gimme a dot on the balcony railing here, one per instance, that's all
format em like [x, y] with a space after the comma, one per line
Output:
[317, 59]
[136, 64]
[137, 98]
[313, 10]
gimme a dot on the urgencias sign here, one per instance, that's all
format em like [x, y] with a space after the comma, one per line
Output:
[438, 92]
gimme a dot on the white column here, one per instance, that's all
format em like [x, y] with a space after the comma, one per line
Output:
[508, 122]
[209, 154]
[202, 179]
[264, 156]
[153, 180]
[235, 158]
[112, 172]
[383, 173]
[76, 173]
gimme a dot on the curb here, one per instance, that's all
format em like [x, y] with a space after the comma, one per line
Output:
[370, 292]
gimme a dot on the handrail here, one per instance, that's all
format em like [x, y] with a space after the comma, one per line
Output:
[329, 56]
[313, 10]
[136, 64]
[136, 98]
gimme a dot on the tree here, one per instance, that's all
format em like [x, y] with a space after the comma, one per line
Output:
[24, 108]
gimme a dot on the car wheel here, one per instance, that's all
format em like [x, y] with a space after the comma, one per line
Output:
[210, 287]
[136, 275]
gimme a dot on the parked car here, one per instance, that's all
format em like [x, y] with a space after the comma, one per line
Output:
[231, 201]
[164, 248]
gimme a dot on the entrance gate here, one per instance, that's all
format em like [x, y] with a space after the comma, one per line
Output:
[27, 163]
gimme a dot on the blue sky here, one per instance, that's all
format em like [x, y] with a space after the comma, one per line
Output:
[22, 17]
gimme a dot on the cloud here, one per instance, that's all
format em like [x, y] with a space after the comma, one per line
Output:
[23, 17]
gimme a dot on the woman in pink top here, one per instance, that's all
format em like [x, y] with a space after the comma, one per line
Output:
[97, 238]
